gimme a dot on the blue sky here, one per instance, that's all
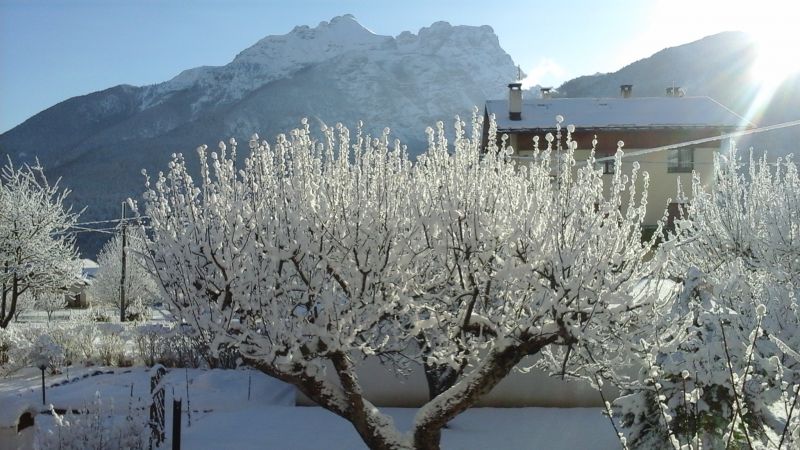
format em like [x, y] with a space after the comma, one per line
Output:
[51, 50]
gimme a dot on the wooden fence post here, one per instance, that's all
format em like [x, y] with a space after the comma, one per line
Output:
[176, 424]
[157, 407]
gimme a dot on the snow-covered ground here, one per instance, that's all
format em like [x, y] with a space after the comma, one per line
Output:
[223, 418]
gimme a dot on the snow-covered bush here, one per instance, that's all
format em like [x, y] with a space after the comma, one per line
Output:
[152, 343]
[181, 349]
[720, 368]
[37, 249]
[97, 427]
[140, 287]
[77, 341]
[13, 350]
[7, 342]
[111, 345]
[45, 352]
[99, 315]
[176, 346]
[324, 250]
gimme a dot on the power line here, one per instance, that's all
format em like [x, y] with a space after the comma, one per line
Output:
[96, 222]
[635, 153]
[111, 231]
[647, 151]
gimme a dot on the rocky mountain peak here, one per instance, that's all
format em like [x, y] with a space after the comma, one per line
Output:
[303, 43]
[336, 71]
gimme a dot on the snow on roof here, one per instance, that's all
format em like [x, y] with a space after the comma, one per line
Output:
[635, 112]
[88, 268]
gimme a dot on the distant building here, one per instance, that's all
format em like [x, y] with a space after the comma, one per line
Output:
[640, 122]
[77, 296]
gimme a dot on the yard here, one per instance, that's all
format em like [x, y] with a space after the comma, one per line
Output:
[222, 416]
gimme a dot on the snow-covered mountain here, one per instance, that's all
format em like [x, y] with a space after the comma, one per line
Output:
[338, 71]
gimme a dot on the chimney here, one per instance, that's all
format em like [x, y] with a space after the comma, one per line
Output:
[515, 101]
[626, 90]
[675, 91]
[546, 92]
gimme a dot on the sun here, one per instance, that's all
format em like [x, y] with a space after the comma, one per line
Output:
[776, 57]
[776, 48]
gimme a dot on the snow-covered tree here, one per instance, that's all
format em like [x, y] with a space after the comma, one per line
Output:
[722, 367]
[25, 303]
[50, 302]
[318, 253]
[36, 247]
[140, 286]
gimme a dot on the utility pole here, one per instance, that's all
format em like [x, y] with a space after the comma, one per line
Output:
[124, 255]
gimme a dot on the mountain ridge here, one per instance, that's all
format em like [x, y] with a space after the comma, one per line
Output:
[338, 71]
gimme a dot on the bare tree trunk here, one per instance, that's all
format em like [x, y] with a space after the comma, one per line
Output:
[440, 378]
[465, 393]
[316, 389]
[9, 314]
[370, 423]
[3, 307]
[375, 429]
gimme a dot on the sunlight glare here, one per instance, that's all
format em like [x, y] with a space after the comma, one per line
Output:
[777, 49]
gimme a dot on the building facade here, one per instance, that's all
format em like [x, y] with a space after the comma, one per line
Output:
[642, 123]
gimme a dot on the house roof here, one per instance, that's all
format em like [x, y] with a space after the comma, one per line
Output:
[618, 113]
[88, 268]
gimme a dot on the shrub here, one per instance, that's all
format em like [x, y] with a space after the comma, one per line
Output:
[97, 427]
[111, 345]
[721, 366]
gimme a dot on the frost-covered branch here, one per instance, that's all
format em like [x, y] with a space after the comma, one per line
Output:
[322, 250]
[723, 344]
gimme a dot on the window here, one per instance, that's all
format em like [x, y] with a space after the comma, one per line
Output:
[608, 167]
[680, 160]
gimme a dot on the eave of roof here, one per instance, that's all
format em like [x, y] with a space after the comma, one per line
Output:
[628, 128]
[645, 113]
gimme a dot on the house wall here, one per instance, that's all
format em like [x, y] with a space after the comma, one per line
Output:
[77, 296]
[384, 387]
[663, 188]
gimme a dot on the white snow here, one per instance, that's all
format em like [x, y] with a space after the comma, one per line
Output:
[313, 428]
[637, 112]
[275, 57]
[223, 418]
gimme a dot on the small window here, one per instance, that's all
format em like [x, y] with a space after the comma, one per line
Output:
[680, 160]
[609, 167]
